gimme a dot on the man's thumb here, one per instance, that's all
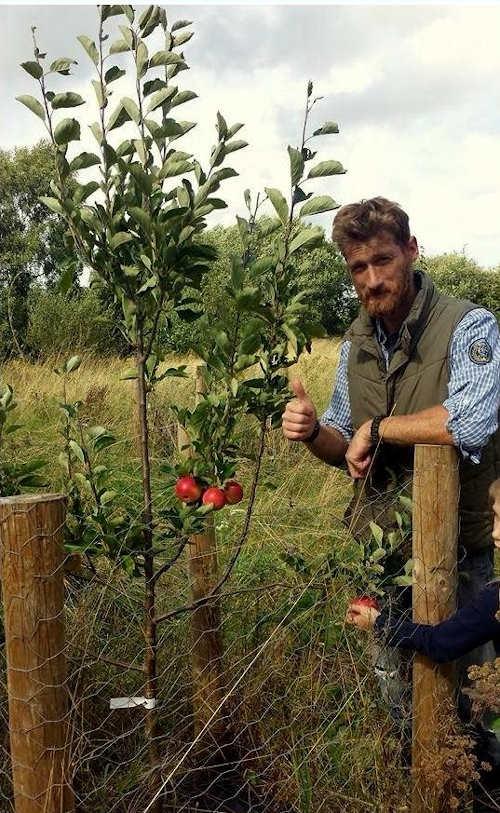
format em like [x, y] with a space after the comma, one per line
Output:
[298, 389]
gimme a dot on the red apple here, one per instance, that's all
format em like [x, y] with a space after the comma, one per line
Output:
[188, 489]
[214, 496]
[233, 492]
[366, 601]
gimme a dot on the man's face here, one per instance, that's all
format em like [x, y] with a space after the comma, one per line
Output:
[381, 273]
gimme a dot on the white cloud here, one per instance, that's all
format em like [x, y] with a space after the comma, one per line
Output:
[414, 89]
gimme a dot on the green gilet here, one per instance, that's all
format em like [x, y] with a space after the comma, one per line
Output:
[417, 378]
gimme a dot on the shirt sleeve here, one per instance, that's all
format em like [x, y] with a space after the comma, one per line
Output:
[471, 626]
[474, 386]
[338, 413]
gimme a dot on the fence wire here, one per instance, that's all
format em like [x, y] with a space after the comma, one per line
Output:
[302, 728]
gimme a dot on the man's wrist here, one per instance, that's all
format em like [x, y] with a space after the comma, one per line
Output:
[314, 434]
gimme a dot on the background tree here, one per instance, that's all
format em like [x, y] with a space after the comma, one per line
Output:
[458, 275]
[31, 239]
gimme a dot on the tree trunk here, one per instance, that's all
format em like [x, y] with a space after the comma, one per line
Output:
[151, 687]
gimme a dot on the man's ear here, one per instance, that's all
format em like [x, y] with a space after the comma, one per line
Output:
[412, 248]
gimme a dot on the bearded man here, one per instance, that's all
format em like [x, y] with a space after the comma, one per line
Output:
[415, 366]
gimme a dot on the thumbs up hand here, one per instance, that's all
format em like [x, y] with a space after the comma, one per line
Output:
[299, 416]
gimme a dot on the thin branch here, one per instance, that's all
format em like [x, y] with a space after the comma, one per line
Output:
[163, 569]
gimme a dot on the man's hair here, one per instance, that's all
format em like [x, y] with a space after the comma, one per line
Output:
[359, 222]
[494, 491]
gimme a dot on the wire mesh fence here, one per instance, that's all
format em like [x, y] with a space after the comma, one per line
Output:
[300, 725]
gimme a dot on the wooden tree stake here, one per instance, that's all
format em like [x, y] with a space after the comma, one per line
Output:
[32, 557]
[435, 533]
[207, 651]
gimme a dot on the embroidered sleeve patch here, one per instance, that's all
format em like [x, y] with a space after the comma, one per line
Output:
[480, 352]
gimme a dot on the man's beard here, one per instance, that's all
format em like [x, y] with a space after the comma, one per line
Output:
[390, 301]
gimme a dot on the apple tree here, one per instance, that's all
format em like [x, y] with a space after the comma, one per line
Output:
[134, 211]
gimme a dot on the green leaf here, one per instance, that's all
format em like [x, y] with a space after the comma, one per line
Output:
[85, 190]
[327, 128]
[130, 106]
[33, 68]
[119, 239]
[77, 451]
[111, 11]
[129, 374]
[182, 97]
[72, 364]
[406, 502]
[314, 206]
[279, 203]
[141, 59]
[89, 47]
[32, 104]
[129, 13]
[232, 146]
[180, 39]
[141, 217]
[98, 92]
[84, 161]
[159, 98]
[118, 117]
[164, 58]
[296, 165]
[67, 130]
[234, 129]
[403, 581]
[377, 533]
[119, 47]
[107, 497]
[62, 65]
[307, 238]
[326, 168]
[145, 16]
[173, 167]
[52, 204]
[114, 73]
[180, 24]
[495, 725]
[67, 100]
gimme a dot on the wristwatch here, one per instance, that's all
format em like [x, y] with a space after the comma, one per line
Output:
[314, 434]
[375, 429]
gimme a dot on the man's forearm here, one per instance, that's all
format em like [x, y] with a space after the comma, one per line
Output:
[329, 446]
[427, 426]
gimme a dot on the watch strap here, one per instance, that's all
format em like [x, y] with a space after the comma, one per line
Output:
[375, 429]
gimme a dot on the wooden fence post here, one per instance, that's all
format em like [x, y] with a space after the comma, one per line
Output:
[31, 548]
[435, 532]
[207, 649]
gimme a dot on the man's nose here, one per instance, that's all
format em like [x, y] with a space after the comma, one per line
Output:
[372, 278]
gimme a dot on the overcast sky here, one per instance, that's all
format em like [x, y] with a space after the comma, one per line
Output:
[415, 90]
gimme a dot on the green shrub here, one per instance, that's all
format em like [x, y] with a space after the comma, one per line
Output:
[458, 275]
[62, 324]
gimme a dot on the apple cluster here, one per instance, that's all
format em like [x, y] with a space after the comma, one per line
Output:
[189, 490]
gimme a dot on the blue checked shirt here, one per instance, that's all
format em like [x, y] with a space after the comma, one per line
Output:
[473, 389]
